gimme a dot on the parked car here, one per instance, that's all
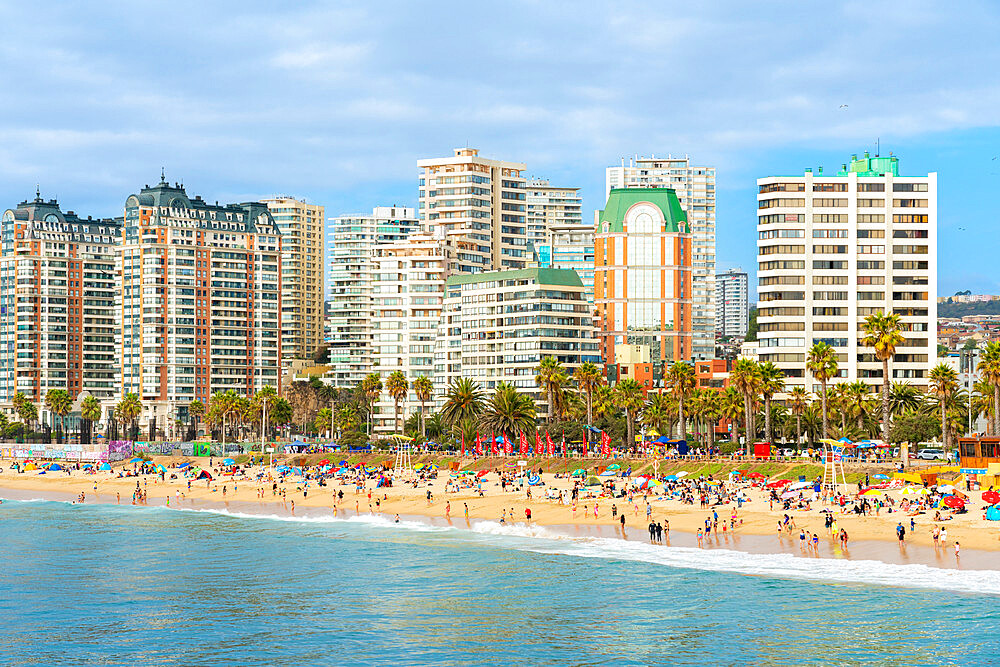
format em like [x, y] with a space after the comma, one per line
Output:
[930, 454]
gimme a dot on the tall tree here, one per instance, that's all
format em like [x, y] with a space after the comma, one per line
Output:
[551, 377]
[397, 387]
[588, 377]
[463, 400]
[423, 388]
[509, 411]
[628, 396]
[944, 385]
[680, 379]
[90, 411]
[772, 381]
[59, 402]
[883, 333]
[822, 362]
[798, 401]
[371, 389]
[989, 368]
[127, 412]
[745, 376]
[196, 410]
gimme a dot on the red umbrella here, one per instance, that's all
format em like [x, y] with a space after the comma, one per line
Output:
[324, 462]
[756, 475]
[777, 483]
[992, 497]
[954, 502]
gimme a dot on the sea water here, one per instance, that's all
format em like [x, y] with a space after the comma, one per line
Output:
[125, 585]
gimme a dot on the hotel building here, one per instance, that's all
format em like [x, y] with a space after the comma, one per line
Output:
[301, 228]
[642, 282]
[57, 303]
[694, 187]
[732, 303]
[834, 248]
[198, 298]
[352, 243]
[569, 247]
[549, 206]
[477, 205]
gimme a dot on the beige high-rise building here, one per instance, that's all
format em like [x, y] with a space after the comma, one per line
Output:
[550, 206]
[301, 226]
[477, 206]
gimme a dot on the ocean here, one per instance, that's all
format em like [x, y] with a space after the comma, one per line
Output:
[125, 585]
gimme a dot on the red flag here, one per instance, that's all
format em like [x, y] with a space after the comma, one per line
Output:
[479, 445]
[508, 448]
[523, 444]
[463, 445]
[493, 439]
[605, 445]
[551, 445]
[539, 447]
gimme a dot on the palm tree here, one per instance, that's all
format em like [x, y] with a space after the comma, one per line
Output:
[981, 403]
[731, 405]
[588, 377]
[263, 403]
[989, 368]
[551, 377]
[26, 410]
[371, 389]
[680, 379]
[822, 363]
[509, 411]
[798, 399]
[772, 380]
[423, 388]
[90, 410]
[855, 398]
[944, 385]
[745, 376]
[464, 400]
[711, 410]
[127, 411]
[903, 398]
[59, 402]
[883, 334]
[657, 413]
[347, 418]
[397, 388]
[196, 409]
[628, 397]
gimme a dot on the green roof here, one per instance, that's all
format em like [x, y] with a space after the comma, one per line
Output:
[565, 277]
[871, 166]
[622, 199]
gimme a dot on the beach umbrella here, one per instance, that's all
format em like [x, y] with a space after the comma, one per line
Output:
[682, 473]
[991, 497]
[799, 485]
[872, 492]
[184, 465]
[324, 462]
[614, 466]
[579, 472]
[670, 478]
[880, 476]
[755, 475]
[788, 494]
[228, 462]
[88, 466]
[104, 466]
[778, 483]
[946, 488]
[954, 502]
[135, 460]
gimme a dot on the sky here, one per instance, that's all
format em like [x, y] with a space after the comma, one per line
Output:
[335, 103]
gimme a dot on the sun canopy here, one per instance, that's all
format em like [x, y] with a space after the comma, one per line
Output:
[228, 462]
[135, 460]
[105, 466]
[579, 472]
[991, 497]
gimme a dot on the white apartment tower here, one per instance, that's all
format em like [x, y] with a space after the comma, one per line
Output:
[477, 206]
[549, 206]
[352, 241]
[834, 248]
[732, 303]
[695, 188]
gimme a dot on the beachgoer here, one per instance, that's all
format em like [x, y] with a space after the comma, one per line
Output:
[900, 532]
[527, 514]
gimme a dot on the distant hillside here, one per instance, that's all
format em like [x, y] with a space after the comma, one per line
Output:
[962, 309]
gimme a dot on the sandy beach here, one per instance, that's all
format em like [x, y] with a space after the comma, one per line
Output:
[871, 537]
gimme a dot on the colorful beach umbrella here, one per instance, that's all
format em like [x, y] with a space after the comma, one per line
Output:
[954, 502]
[991, 497]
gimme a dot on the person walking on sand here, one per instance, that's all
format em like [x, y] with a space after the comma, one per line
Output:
[527, 514]
[447, 510]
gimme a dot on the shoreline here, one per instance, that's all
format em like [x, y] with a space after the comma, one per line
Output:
[744, 542]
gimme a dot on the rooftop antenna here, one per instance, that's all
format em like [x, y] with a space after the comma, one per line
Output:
[163, 176]
[877, 139]
[38, 192]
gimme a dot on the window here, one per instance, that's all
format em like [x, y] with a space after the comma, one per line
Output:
[909, 296]
[788, 357]
[871, 233]
[772, 218]
[829, 326]
[909, 203]
[781, 264]
[829, 187]
[871, 296]
[829, 311]
[781, 234]
[782, 187]
[782, 311]
[909, 280]
[830, 249]
[909, 249]
[829, 280]
[870, 265]
[782, 250]
[871, 187]
[829, 264]
[774, 203]
[781, 296]
[871, 218]
[865, 311]
[781, 280]
[832, 342]
[829, 233]
[783, 326]
[909, 217]
[830, 217]
[909, 266]
[782, 342]
[830, 296]
[871, 280]
[909, 187]
[909, 234]
[831, 203]
[871, 249]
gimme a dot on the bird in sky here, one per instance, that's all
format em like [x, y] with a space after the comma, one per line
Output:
[843, 106]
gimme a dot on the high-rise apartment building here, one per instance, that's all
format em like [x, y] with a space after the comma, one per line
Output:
[498, 326]
[408, 293]
[301, 228]
[352, 242]
[569, 247]
[695, 189]
[199, 300]
[57, 303]
[732, 303]
[642, 281]
[549, 206]
[834, 248]
[477, 205]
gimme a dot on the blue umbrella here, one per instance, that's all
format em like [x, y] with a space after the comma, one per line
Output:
[136, 460]
[880, 476]
[183, 465]
[88, 466]
[228, 462]
[104, 466]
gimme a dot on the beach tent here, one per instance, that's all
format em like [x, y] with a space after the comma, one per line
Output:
[160, 468]
[993, 513]
[105, 466]
[54, 466]
[204, 474]
[31, 466]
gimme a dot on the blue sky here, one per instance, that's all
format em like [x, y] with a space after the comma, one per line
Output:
[336, 102]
